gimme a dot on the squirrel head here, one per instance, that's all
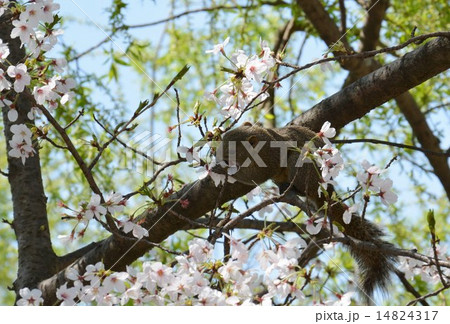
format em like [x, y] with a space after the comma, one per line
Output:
[247, 150]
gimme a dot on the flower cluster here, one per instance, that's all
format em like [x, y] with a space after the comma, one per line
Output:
[239, 91]
[428, 273]
[35, 29]
[21, 142]
[195, 279]
[95, 209]
[371, 182]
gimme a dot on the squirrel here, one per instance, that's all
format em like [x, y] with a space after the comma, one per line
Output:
[268, 162]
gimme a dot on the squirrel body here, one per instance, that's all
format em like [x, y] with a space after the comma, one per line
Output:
[261, 154]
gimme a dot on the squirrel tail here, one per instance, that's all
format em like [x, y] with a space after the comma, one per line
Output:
[374, 266]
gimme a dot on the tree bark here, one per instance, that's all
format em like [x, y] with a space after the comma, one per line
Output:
[37, 259]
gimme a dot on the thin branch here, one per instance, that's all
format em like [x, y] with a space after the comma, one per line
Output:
[375, 141]
[153, 178]
[434, 293]
[409, 287]
[221, 7]
[80, 113]
[367, 54]
[174, 17]
[125, 145]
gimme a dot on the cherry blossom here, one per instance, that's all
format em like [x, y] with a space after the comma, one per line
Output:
[48, 9]
[94, 208]
[327, 132]
[219, 48]
[67, 295]
[4, 50]
[34, 111]
[386, 194]
[114, 203]
[3, 6]
[313, 226]
[32, 15]
[4, 83]
[191, 154]
[137, 230]
[22, 30]
[21, 133]
[13, 115]
[19, 72]
[30, 298]
[347, 216]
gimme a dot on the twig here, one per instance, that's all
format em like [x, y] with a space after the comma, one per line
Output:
[170, 18]
[125, 145]
[375, 141]
[357, 55]
[434, 293]
[153, 178]
[409, 287]
[178, 121]
[80, 113]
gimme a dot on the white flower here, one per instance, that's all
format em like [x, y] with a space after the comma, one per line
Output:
[343, 300]
[94, 208]
[219, 48]
[48, 9]
[93, 271]
[191, 154]
[3, 6]
[254, 69]
[4, 102]
[20, 150]
[200, 250]
[4, 50]
[313, 226]
[161, 274]
[240, 251]
[33, 14]
[30, 298]
[44, 93]
[327, 132]
[65, 85]
[22, 30]
[34, 111]
[114, 202]
[4, 84]
[116, 282]
[67, 295]
[206, 170]
[137, 230]
[21, 133]
[347, 216]
[19, 72]
[13, 115]
[386, 194]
